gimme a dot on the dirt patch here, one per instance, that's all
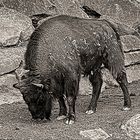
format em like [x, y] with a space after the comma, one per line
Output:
[16, 123]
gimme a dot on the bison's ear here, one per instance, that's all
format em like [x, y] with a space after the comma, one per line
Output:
[16, 85]
[38, 85]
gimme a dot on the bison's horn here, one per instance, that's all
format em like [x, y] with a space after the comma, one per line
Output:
[16, 85]
[38, 85]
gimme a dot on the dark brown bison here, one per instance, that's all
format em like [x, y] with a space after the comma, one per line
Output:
[59, 51]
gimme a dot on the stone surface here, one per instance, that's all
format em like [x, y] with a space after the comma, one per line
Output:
[53, 7]
[10, 58]
[9, 99]
[8, 94]
[136, 26]
[133, 73]
[14, 26]
[9, 36]
[126, 11]
[132, 127]
[8, 80]
[132, 58]
[130, 43]
[108, 78]
[85, 87]
[95, 134]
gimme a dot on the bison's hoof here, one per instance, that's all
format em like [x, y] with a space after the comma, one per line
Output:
[62, 117]
[126, 108]
[70, 119]
[69, 122]
[90, 112]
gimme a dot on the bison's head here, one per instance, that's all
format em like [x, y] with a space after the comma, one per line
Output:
[36, 97]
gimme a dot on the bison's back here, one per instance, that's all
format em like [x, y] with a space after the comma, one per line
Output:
[59, 42]
[48, 53]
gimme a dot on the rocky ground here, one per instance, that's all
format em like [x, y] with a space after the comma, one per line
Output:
[16, 123]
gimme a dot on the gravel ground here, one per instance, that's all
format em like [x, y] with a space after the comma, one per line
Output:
[16, 123]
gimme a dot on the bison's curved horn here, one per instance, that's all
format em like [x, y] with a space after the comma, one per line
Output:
[38, 85]
[16, 85]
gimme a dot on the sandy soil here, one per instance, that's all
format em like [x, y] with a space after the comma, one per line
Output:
[16, 123]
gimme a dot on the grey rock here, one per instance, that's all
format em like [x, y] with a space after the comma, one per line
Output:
[10, 58]
[125, 11]
[8, 94]
[130, 43]
[14, 27]
[55, 7]
[132, 58]
[95, 134]
[133, 73]
[132, 127]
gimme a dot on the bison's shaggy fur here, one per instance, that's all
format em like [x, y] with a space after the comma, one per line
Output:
[59, 51]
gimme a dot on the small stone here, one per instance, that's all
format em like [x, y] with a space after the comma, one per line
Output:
[16, 128]
[95, 134]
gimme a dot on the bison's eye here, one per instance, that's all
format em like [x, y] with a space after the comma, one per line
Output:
[23, 77]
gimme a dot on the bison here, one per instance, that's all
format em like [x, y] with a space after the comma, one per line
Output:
[59, 51]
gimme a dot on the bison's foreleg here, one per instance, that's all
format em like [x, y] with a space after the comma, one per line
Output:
[96, 80]
[122, 80]
[63, 108]
[48, 107]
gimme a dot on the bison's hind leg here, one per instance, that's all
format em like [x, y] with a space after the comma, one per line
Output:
[122, 80]
[96, 80]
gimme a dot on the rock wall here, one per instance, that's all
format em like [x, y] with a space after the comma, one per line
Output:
[16, 28]
[53, 7]
[126, 11]
[131, 46]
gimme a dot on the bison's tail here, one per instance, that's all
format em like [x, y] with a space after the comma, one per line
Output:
[115, 54]
[114, 60]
